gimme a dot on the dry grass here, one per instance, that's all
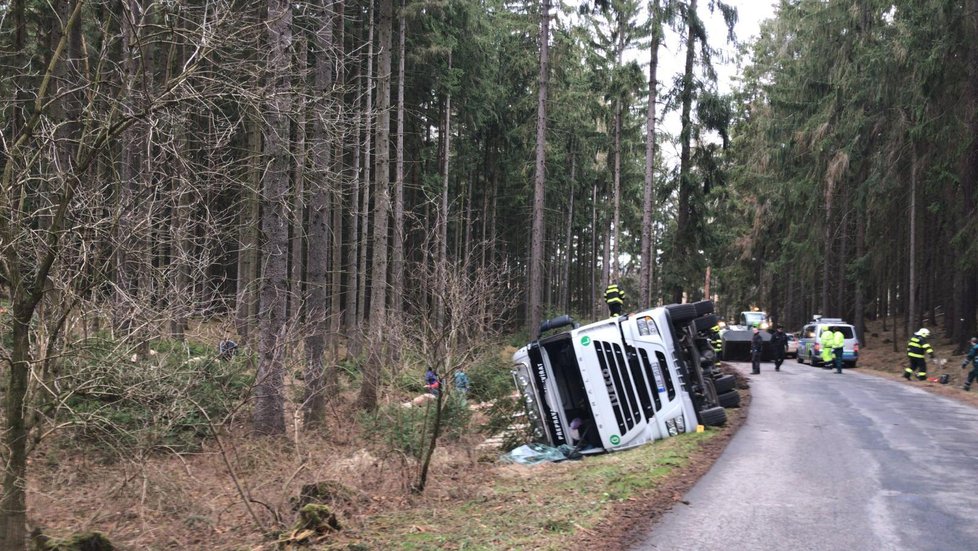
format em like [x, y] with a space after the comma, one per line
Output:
[191, 500]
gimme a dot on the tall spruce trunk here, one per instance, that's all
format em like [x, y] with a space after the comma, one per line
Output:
[441, 259]
[372, 375]
[397, 247]
[967, 297]
[368, 126]
[320, 195]
[912, 313]
[647, 260]
[298, 211]
[336, 197]
[681, 247]
[565, 290]
[269, 400]
[535, 293]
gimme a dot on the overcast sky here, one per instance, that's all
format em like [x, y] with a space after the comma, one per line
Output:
[672, 56]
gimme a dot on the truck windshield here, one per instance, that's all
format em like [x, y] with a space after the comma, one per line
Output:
[754, 318]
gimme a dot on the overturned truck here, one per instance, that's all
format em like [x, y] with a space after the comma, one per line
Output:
[736, 339]
[624, 381]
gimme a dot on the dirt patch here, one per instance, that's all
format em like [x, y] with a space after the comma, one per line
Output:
[630, 522]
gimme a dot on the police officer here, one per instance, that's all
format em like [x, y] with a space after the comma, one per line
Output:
[838, 345]
[973, 358]
[756, 346]
[615, 298]
[779, 346]
[916, 349]
[825, 342]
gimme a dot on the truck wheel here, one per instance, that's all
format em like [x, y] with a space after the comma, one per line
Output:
[713, 417]
[730, 399]
[704, 324]
[725, 383]
[682, 313]
[704, 307]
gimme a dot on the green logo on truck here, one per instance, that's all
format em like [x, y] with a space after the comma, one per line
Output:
[615, 439]
[585, 340]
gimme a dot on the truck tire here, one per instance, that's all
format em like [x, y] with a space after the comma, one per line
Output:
[730, 399]
[681, 313]
[724, 383]
[704, 307]
[713, 417]
[705, 323]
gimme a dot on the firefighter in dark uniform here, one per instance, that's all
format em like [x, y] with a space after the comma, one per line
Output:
[917, 348]
[615, 298]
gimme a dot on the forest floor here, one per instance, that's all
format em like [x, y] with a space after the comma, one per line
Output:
[239, 492]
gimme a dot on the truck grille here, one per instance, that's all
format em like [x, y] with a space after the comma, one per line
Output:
[620, 385]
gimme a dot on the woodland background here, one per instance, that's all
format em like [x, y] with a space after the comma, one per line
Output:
[357, 190]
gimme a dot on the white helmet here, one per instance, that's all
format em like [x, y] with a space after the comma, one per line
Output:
[924, 332]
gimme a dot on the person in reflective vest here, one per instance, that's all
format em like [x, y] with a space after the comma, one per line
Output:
[615, 298]
[917, 348]
[973, 359]
[825, 343]
[716, 340]
[838, 346]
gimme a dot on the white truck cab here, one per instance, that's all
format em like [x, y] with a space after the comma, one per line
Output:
[623, 381]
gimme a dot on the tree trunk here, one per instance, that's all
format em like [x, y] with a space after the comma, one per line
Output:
[568, 240]
[912, 250]
[298, 210]
[967, 299]
[534, 305]
[646, 253]
[353, 246]
[685, 137]
[247, 297]
[397, 248]
[269, 409]
[372, 374]
[368, 134]
[318, 269]
[442, 225]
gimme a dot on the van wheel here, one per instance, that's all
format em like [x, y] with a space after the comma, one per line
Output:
[730, 399]
[800, 358]
[725, 383]
[713, 417]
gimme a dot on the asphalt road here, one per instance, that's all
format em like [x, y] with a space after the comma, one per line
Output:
[835, 462]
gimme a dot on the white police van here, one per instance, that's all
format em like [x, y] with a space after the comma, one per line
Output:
[809, 348]
[624, 381]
